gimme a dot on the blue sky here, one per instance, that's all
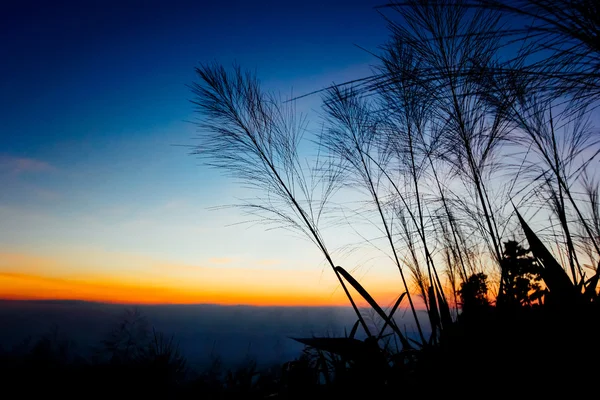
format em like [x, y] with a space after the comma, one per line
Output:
[95, 106]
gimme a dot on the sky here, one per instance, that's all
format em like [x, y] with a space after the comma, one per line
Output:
[100, 198]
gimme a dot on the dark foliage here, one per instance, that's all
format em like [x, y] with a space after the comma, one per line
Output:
[522, 277]
[473, 293]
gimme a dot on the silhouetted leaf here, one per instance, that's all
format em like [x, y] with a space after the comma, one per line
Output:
[553, 274]
[434, 316]
[581, 284]
[444, 311]
[354, 329]
[391, 316]
[590, 289]
[415, 342]
[362, 291]
[346, 347]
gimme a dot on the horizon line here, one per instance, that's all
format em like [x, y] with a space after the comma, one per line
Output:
[135, 304]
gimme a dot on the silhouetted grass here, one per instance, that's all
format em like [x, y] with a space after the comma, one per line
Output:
[429, 138]
[476, 106]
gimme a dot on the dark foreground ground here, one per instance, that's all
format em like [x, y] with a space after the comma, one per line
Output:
[521, 353]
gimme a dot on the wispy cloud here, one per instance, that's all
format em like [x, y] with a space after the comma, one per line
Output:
[20, 165]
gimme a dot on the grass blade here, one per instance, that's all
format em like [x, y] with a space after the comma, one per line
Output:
[555, 277]
[396, 305]
[363, 292]
[354, 329]
[445, 315]
[434, 316]
[592, 284]
[353, 349]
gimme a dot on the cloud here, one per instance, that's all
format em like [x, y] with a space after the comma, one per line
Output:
[20, 165]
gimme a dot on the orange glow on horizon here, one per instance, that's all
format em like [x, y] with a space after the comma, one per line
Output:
[31, 287]
[25, 277]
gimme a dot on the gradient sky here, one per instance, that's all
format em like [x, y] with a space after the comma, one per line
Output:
[96, 202]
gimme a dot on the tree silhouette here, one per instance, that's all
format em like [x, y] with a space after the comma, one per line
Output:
[521, 275]
[473, 292]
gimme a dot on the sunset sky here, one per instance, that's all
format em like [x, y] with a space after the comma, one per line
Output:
[100, 201]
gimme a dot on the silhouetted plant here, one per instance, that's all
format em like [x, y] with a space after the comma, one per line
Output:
[303, 376]
[255, 136]
[561, 289]
[445, 134]
[351, 136]
[129, 338]
[566, 33]
[473, 293]
[163, 358]
[522, 276]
